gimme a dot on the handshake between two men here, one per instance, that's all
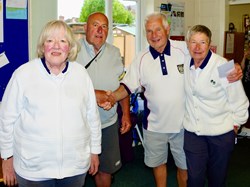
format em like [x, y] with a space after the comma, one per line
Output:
[107, 99]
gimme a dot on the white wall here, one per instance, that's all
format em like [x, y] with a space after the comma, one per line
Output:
[212, 14]
[40, 12]
[147, 7]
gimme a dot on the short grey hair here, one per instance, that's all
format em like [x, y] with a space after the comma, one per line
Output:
[160, 15]
[199, 29]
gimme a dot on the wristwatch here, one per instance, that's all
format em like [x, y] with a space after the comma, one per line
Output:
[7, 158]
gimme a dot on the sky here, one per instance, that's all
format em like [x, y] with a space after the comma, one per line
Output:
[72, 8]
[69, 8]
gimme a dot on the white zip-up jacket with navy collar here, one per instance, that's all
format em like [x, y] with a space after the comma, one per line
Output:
[50, 124]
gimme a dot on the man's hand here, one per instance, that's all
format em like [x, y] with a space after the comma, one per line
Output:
[126, 124]
[105, 99]
[236, 74]
[9, 177]
[94, 164]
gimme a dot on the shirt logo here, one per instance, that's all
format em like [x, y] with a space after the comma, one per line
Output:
[212, 82]
[181, 68]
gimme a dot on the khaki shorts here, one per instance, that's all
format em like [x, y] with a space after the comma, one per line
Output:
[156, 148]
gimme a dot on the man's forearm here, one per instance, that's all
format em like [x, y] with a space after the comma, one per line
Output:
[120, 93]
[125, 105]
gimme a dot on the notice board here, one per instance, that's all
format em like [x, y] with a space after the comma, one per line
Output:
[176, 16]
[14, 40]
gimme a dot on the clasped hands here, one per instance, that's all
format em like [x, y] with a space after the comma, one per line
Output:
[105, 99]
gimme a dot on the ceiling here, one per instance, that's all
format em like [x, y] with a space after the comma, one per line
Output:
[236, 2]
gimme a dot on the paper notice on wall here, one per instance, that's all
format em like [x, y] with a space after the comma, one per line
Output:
[16, 9]
[16, 3]
[1, 21]
[177, 20]
[3, 60]
[230, 43]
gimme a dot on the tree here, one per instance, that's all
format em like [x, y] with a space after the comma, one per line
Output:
[120, 13]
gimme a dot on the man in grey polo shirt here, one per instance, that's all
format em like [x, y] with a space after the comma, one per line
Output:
[104, 65]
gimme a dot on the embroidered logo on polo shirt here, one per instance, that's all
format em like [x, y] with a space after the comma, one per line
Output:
[212, 82]
[181, 68]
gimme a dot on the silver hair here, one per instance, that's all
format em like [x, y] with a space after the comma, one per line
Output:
[201, 29]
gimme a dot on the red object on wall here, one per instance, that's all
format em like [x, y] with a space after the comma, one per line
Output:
[180, 38]
[213, 48]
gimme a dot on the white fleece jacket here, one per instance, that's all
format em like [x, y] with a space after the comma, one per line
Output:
[49, 123]
[213, 106]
